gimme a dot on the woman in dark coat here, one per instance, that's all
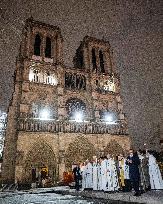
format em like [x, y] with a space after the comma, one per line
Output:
[134, 162]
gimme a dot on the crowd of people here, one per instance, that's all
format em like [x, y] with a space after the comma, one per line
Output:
[138, 171]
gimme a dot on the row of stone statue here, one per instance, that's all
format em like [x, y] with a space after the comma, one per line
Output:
[68, 127]
[139, 171]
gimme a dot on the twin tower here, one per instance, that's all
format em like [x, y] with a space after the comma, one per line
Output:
[61, 115]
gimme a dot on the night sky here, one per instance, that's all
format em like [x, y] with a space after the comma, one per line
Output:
[134, 29]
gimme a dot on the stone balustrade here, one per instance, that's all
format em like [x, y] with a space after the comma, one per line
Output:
[53, 126]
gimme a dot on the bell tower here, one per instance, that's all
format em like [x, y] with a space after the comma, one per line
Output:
[38, 68]
[96, 58]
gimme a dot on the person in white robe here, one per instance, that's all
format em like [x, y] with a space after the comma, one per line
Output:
[99, 175]
[83, 172]
[103, 173]
[89, 174]
[95, 173]
[112, 175]
[154, 173]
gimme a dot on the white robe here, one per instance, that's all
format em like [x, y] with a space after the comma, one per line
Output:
[112, 176]
[103, 174]
[154, 173]
[99, 176]
[126, 170]
[95, 176]
[89, 174]
[83, 171]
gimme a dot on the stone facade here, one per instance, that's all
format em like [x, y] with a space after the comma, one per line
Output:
[61, 115]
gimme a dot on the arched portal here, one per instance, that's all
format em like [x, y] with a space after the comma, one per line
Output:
[40, 154]
[79, 151]
[113, 148]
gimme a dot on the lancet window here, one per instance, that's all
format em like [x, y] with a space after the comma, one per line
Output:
[34, 75]
[46, 77]
[94, 59]
[48, 48]
[37, 45]
[75, 81]
[102, 68]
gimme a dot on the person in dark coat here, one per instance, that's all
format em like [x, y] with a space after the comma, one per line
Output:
[77, 176]
[134, 162]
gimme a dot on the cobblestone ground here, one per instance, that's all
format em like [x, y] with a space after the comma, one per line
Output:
[64, 195]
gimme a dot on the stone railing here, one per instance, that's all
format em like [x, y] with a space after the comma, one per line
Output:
[53, 126]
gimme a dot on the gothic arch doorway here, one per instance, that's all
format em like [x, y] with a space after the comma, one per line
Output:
[40, 154]
[79, 151]
[113, 148]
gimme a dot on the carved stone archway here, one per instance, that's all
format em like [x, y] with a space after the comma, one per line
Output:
[114, 148]
[40, 154]
[79, 151]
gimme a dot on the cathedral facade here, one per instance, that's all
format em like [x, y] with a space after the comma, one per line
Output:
[61, 115]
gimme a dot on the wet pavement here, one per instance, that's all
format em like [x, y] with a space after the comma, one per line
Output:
[65, 195]
[41, 198]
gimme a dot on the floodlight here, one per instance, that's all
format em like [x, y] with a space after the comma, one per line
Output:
[78, 116]
[44, 114]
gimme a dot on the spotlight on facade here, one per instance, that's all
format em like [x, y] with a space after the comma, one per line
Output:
[110, 118]
[44, 115]
[78, 116]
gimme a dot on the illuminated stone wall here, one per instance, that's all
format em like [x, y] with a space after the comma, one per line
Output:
[28, 140]
[60, 151]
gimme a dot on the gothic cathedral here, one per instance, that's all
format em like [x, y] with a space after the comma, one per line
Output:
[61, 115]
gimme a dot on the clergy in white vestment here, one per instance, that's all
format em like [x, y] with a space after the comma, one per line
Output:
[112, 175]
[99, 176]
[154, 173]
[95, 173]
[83, 172]
[89, 174]
[103, 173]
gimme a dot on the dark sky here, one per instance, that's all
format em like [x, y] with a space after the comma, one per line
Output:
[134, 29]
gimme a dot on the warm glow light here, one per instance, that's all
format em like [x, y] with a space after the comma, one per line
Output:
[78, 116]
[108, 118]
[44, 115]
[31, 75]
[54, 81]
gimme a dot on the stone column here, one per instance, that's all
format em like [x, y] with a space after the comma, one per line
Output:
[54, 49]
[59, 48]
[61, 164]
[43, 46]
[108, 61]
[86, 58]
[30, 42]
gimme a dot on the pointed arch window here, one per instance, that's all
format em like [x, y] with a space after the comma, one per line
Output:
[94, 59]
[101, 62]
[48, 48]
[37, 45]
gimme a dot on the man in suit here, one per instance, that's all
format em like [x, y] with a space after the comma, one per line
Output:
[133, 162]
[77, 176]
